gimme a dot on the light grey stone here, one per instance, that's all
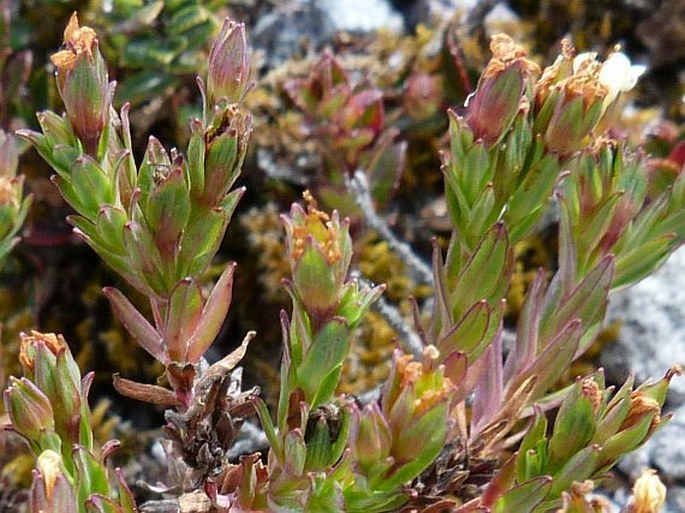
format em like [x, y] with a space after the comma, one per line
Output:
[665, 452]
[666, 449]
[362, 15]
[652, 335]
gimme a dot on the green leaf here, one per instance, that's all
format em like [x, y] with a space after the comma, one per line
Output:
[486, 274]
[531, 198]
[145, 84]
[639, 262]
[574, 426]
[91, 475]
[186, 18]
[196, 159]
[136, 324]
[326, 353]
[580, 467]
[221, 170]
[155, 161]
[110, 224]
[213, 315]
[525, 497]
[167, 211]
[585, 302]
[144, 258]
[533, 449]
[295, 452]
[92, 186]
[182, 316]
[468, 333]
[426, 437]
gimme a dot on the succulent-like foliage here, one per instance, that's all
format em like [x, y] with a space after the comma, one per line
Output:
[158, 224]
[460, 424]
[49, 408]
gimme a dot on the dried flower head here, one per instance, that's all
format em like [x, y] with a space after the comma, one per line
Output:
[55, 343]
[505, 54]
[501, 90]
[584, 82]
[558, 70]
[83, 84]
[591, 390]
[649, 493]
[641, 405]
[430, 387]
[77, 40]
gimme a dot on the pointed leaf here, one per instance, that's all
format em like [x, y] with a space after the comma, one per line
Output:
[213, 315]
[146, 336]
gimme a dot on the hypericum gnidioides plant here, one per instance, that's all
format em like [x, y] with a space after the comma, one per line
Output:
[461, 429]
[507, 154]
[158, 224]
[49, 408]
[328, 453]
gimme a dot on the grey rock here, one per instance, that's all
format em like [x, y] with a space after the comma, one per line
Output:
[665, 452]
[666, 449]
[652, 335]
[281, 33]
[676, 498]
[651, 340]
[362, 15]
[433, 12]
[446, 8]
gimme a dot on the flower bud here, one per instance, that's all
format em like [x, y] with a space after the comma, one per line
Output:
[29, 409]
[226, 145]
[499, 96]
[372, 440]
[229, 65]
[47, 360]
[83, 84]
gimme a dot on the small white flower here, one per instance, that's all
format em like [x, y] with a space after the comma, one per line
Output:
[618, 75]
